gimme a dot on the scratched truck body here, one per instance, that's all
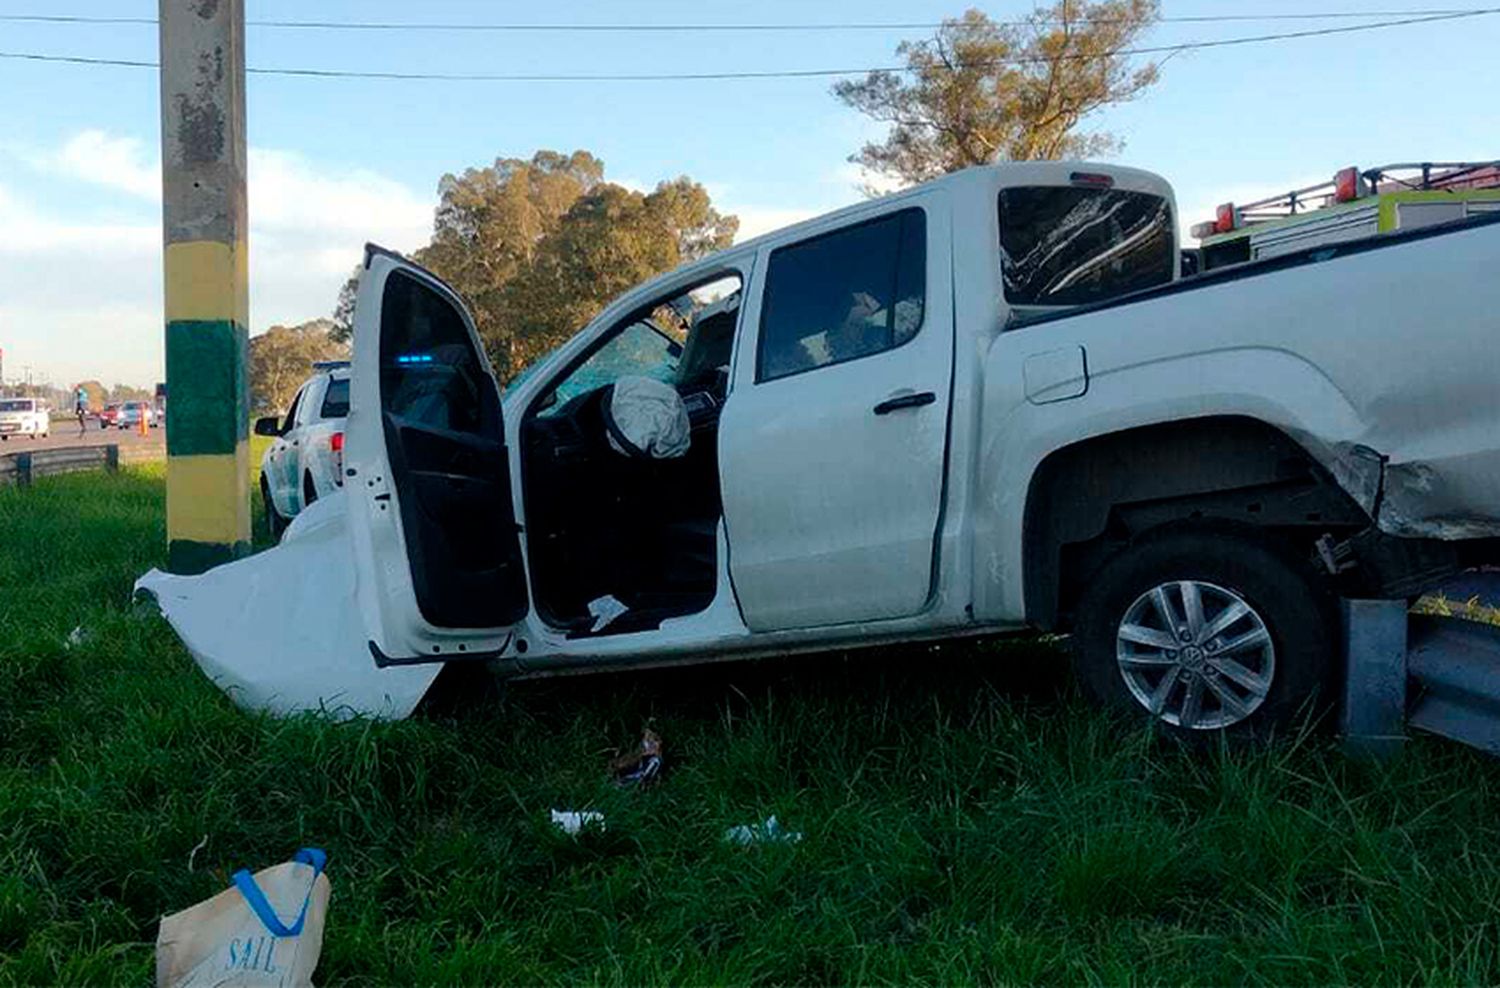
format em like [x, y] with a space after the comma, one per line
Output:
[985, 404]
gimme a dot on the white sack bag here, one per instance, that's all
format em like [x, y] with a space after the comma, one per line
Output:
[238, 938]
[645, 417]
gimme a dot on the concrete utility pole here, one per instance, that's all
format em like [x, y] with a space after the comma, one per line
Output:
[207, 275]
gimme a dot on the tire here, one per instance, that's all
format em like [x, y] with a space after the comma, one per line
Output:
[309, 490]
[275, 523]
[1261, 671]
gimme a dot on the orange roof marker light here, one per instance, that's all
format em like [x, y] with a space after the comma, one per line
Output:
[1349, 185]
[1227, 218]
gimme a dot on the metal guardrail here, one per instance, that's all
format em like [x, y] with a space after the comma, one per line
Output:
[22, 468]
[1437, 674]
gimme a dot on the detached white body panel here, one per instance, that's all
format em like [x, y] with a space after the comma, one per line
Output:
[279, 632]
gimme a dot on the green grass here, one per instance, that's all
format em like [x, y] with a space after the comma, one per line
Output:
[966, 817]
[1470, 610]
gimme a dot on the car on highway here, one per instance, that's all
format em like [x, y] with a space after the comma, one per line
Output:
[305, 460]
[28, 417]
[109, 415]
[131, 413]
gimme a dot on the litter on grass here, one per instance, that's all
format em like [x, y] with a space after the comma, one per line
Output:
[76, 637]
[641, 765]
[769, 832]
[573, 821]
[264, 932]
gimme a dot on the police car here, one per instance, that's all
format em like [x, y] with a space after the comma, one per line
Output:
[306, 458]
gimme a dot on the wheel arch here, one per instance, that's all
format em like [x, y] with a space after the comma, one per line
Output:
[1088, 499]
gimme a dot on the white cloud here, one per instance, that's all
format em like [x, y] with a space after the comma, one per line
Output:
[115, 162]
[308, 228]
[82, 298]
[841, 187]
[23, 230]
[756, 220]
[859, 178]
[288, 192]
[633, 184]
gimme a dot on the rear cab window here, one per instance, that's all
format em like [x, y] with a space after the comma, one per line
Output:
[1067, 246]
[335, 399]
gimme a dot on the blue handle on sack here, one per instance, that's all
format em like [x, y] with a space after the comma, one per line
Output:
[256, 899]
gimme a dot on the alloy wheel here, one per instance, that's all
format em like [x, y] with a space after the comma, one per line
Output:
[1195, 654]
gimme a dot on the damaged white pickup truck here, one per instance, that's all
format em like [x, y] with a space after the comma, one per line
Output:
[984, 404]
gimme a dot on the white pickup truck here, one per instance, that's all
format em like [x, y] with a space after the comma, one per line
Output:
[984, 404]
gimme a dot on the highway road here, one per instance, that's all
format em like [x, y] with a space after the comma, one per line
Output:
[65, 433]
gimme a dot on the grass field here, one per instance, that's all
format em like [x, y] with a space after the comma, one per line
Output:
[966, 818]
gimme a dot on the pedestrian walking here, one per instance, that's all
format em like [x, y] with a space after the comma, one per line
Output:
[80, 408]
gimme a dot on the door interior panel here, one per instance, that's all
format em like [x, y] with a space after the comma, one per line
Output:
[458, 519]
[444, 438]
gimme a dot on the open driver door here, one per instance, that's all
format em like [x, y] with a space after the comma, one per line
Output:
[439, 573]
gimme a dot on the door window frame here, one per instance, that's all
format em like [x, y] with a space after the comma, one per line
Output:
[614, 326]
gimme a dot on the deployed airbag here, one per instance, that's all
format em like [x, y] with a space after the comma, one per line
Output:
[281, 631]
[646, 418]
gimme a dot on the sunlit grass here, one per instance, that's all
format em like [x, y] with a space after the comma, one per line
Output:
[1470, 610]
[965, 817]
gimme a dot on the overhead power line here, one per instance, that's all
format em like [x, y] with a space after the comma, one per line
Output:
[1168, 50]
[327, 25]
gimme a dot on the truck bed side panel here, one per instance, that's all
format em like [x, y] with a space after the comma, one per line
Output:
[1383, 363]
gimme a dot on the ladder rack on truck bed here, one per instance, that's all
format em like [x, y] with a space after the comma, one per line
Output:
[1354, 205]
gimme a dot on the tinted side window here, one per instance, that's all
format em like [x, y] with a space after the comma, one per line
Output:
[291, 413]
[1071, 246]
[844, 295]
[335, 399]
[430, 373]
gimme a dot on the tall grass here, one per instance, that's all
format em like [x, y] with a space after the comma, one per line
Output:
[964, 817]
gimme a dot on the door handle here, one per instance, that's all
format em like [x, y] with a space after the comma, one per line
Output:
[916, 400]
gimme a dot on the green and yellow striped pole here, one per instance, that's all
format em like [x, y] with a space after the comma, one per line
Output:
[207, 281]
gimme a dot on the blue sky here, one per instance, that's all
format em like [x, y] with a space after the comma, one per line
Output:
[336, 162]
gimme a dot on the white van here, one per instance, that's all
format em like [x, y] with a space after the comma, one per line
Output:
[24, 417]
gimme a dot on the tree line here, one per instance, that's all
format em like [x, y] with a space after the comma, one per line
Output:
[96, 394]
[537, 246]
